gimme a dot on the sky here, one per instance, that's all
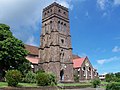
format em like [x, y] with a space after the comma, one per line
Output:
[94, 27]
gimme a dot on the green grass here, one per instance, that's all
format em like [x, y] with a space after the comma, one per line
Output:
[27, 84]
[74, 84]
[4, 84]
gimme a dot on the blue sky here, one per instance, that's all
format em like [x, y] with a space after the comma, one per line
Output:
[94, 25]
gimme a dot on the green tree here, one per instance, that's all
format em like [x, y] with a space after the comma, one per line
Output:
[109, 77]
[12, 51]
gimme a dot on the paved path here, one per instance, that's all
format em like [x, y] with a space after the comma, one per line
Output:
[87, 89]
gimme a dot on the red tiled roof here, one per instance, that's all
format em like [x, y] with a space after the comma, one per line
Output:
[33, 60]
[78, 62]
[32, 49]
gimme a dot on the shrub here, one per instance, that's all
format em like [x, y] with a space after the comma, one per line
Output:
[40, 71]
[30, 77]
[113, 86]
[52, 79]
[95, 83]
[42, 79]
[46, 79]
[76, 78]
[13, 77]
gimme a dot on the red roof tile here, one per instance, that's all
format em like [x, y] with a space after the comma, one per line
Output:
[78, 62]
[32, 49]
[33, 60]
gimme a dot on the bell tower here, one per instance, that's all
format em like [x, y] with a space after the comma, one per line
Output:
[55, 50]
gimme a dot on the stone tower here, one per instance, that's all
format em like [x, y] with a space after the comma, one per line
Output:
[55, 51]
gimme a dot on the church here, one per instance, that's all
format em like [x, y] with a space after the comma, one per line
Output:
[55, 51]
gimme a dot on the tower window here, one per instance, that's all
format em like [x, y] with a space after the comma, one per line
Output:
[59, 11]
[45, 28]
[47, 11]
[59, 26]
[64, 13]
[62, 41]
[51, 25]
[51, 10]
[64, 27]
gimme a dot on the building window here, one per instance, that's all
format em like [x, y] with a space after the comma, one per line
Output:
[62, 41]
[64, 27]
[64, 13]
[51, 25]
[59, 11]
[45, 28]
[51, 10]
[59, 26]
[47, 11]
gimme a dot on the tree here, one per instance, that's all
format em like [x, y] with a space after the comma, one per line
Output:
[109, 77]
[12, 51]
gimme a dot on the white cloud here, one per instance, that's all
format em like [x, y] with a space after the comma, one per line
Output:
[31, 41]
[116, 49]
[66, 3]
[102, 61]
[116, 2]
[101, 4]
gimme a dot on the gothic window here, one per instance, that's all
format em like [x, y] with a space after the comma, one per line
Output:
[59, 26]
[59, 11]
[51, 10]
[47, 11]
[62, 41]
[64, 13]
[64, 27]
[51, 25]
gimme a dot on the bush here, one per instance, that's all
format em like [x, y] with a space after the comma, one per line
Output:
[76, 78]
[13, 77]
[30, 77]
[113, 86]
[95, 83]
[52, 79]
[42, 79]
[45, 79]
[40, 71]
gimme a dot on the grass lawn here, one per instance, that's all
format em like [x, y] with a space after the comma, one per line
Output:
[74, 84]
[4, 84]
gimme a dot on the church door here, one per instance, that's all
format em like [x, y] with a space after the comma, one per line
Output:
[62, 75]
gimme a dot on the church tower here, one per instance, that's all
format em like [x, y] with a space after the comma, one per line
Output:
[55, 50]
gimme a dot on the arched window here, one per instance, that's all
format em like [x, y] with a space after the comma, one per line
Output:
[45, 28]
[59, 11]
[64, 27]
[59, 26]
[51, 25]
